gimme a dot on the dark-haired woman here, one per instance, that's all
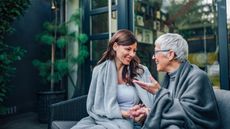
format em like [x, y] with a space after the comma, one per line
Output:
[112, 93]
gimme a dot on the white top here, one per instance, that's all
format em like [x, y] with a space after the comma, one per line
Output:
[127, 96]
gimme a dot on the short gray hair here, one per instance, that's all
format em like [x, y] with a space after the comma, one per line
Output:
[174, 42]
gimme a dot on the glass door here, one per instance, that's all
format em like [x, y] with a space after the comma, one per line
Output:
[101, 17]
[195, 20]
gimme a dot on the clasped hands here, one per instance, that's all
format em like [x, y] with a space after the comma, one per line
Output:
[138, 113]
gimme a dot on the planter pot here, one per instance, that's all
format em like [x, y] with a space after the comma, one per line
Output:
[45, 99]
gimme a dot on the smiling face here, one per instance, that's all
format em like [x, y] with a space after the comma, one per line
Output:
[124, 54]
[162, 59]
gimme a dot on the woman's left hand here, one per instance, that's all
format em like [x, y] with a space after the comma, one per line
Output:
[152, 87]
[125, 114]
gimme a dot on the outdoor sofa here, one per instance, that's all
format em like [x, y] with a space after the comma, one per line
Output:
[64, 115]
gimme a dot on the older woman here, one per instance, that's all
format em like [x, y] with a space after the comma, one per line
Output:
[185, 99]
[112, 92]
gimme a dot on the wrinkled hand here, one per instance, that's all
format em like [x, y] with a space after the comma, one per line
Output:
[152, 87]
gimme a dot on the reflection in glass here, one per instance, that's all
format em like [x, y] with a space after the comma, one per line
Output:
[101, 3]
[195, 20]
[100, 23]
[198, 25]
[98, 47]
[150, 20]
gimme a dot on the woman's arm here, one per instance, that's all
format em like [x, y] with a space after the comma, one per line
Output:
[152, 87]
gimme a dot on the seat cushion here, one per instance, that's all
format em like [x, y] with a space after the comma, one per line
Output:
[223, 100]
[63, 124]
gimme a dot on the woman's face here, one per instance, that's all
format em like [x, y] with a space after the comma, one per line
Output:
[124, 54]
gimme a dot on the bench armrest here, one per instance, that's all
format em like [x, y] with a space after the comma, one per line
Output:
[69, 110]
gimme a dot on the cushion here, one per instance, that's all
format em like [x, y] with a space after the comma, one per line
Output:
[63, 124]
[223, 100]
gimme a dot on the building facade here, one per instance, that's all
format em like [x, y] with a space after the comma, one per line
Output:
[203, 23]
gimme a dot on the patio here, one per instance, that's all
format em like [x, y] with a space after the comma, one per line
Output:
[22, 121]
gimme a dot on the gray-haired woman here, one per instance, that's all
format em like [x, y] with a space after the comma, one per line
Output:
[185, 99]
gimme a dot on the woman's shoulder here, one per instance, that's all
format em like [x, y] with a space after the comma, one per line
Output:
[99, 66]
[143, 67]
[196, 72]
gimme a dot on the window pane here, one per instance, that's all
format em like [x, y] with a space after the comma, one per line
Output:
[100, 23]
[98, 47]
[143, 19]
[101, 3]
[195, 20]
[198, 26]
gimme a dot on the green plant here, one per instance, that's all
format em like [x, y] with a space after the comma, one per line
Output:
[9, 11]
[58, 36]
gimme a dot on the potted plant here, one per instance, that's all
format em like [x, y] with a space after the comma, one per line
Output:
[61, 62]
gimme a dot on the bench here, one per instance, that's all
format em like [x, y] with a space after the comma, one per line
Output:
[64, 115]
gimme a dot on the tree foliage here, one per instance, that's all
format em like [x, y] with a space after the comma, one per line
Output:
[10, 10]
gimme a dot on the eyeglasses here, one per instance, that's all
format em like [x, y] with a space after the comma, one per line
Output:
[157, 51]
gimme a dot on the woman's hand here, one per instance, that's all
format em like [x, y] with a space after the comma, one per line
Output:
[133, 112]
[152, 87]
[125, 114]
[139, 113]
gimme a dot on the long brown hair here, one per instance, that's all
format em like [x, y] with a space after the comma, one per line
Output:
[124, 37]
